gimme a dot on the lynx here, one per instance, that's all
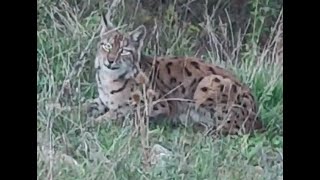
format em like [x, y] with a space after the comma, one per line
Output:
[183, 89]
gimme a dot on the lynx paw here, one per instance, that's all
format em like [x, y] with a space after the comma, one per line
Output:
[95, 109]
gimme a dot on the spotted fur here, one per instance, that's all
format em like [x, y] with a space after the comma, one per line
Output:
[185, 89]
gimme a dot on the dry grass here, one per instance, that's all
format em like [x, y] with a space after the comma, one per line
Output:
[70, 147]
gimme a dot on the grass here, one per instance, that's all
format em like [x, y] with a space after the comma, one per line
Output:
[70, 147]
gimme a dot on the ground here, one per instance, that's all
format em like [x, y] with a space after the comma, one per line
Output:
[70, 147]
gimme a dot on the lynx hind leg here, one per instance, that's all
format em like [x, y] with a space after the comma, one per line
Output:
[237, 120]
[96, 108]
[233, 109]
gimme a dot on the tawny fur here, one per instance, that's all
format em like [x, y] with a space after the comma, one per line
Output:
[182, 89]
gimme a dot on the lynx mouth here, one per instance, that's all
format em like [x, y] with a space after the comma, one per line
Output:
[113, 68]
[109, 66]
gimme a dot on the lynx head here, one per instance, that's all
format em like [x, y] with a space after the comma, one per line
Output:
[119, 52]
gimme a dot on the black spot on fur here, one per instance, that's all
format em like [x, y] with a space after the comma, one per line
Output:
[245, 105]
[183, 89]
[162, 83]
[168, 67]
[245, 96]
[238, 99]
[135, 73]
[119, 106]
[223, 101]
[209, 99]
[221, 88]
[193, 82]
[131, 89]
[122, 88]
[173, 80]
[251, 96]
[200, 79]
[155, 108]
[153, 98]
[212, 70]
[195, 64]
[188, 72]
[162, 105]
[234, 88]
[224, 98]
[229, 122]
[217, 80]
[106, 109]
[158, 75]
[204, 89]
[121, 76]
[111, 103]
[243, 112]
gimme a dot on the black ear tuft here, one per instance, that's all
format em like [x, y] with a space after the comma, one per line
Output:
[105, 23]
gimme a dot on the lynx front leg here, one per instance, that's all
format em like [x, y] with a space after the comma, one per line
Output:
[96, 108]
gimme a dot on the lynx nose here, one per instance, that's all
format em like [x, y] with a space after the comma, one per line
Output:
[110, 60]
[111, 63]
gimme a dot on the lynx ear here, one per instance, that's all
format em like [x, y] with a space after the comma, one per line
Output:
[106, 24]
[138, 34]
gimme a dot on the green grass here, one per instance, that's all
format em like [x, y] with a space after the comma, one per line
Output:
[70, 147]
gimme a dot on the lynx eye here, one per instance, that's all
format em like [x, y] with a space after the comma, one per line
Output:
[106, 46]
[125, 52]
